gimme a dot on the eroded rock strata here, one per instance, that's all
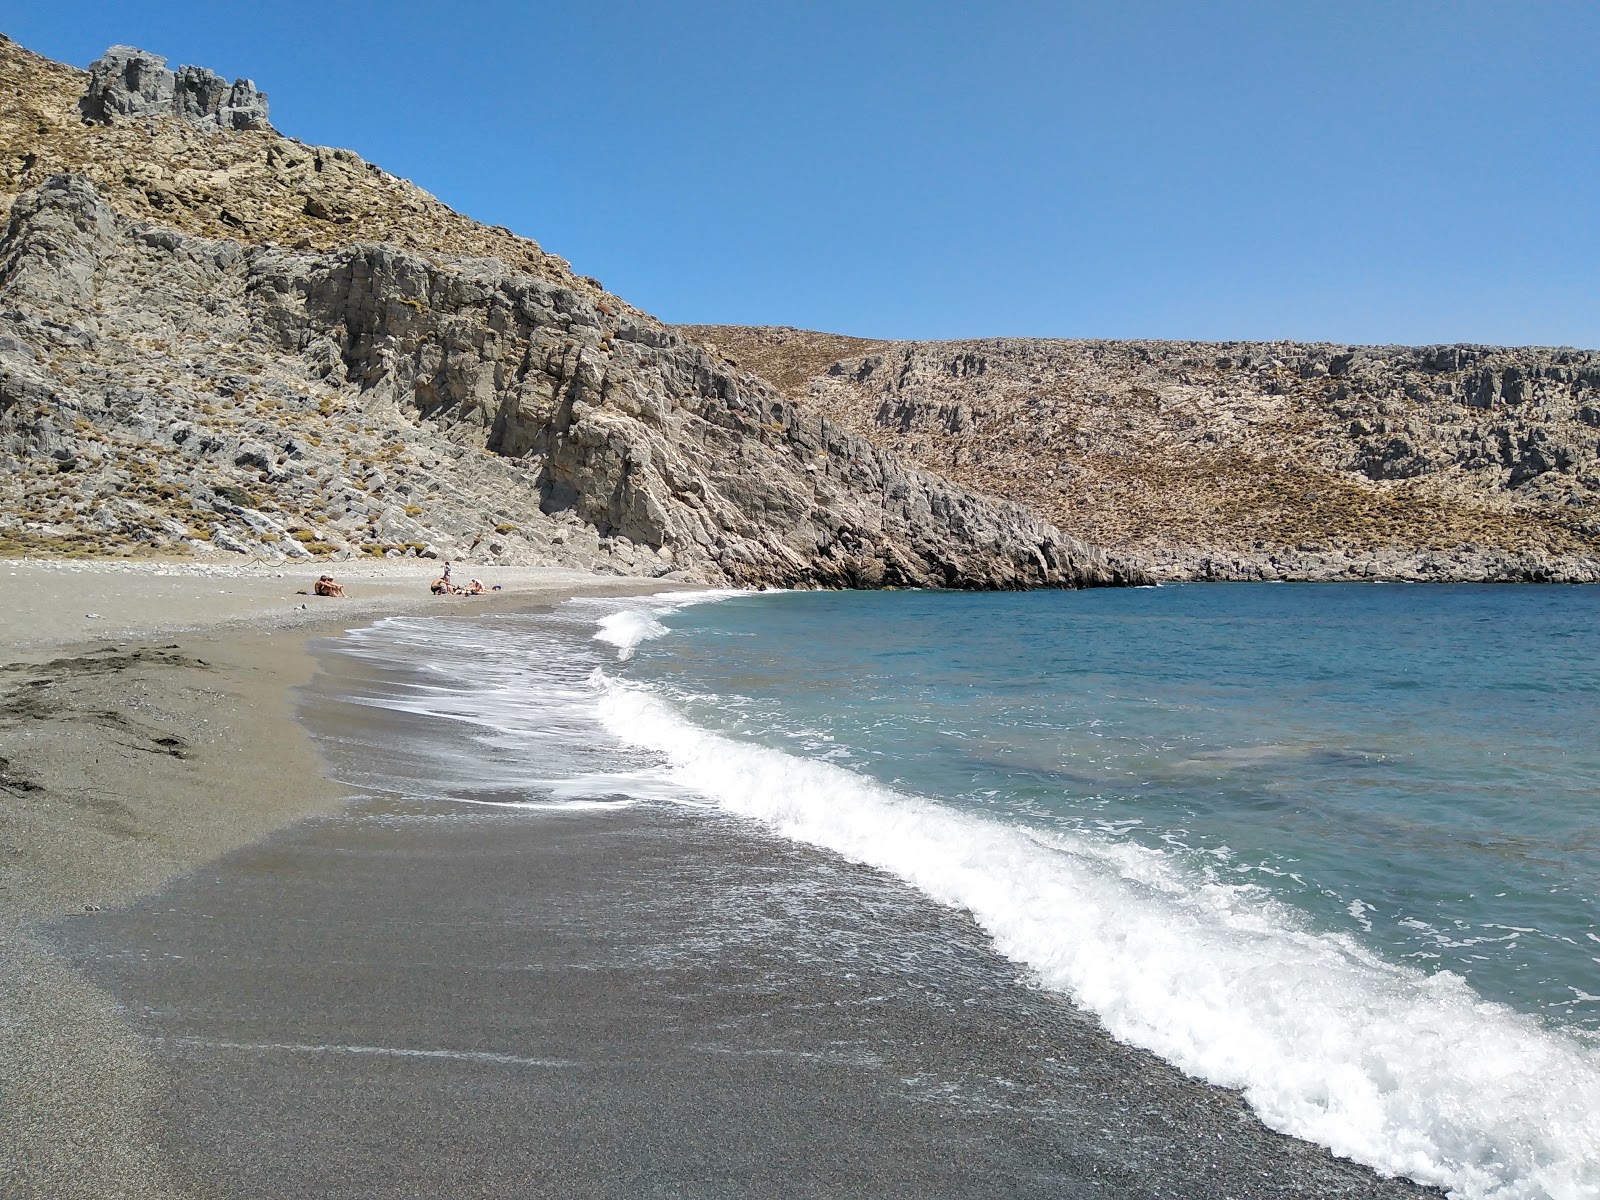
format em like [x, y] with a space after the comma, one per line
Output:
[1240, 460]
[174, 380]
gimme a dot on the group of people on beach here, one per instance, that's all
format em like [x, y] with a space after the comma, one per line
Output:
[443, 586]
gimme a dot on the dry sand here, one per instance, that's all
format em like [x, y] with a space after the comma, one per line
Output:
[146, 729]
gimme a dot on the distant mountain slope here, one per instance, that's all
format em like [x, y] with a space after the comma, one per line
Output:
[214, 338]
[1243, 459]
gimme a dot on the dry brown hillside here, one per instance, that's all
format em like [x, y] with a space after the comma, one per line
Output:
[255, 186]
[379, 373]
[1240, 460]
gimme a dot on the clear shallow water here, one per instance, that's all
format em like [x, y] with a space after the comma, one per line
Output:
[1335, 846]
[1416, 768]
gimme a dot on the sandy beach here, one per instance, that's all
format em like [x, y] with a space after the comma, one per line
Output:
[146, 728]
[228, 978]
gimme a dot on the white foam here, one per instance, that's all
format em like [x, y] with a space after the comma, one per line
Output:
[626, 629]
[637, 623]
[1413, 1074]
[582, 803]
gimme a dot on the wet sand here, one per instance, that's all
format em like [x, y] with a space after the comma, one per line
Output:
[400, 1000]
[231, 983]
[125, 761]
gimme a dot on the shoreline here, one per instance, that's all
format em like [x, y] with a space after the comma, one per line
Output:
[97, 1105]
[61, 603]
[137, 745]
[187, 675]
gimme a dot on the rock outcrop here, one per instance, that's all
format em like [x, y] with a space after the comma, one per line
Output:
[128, 84]
[213, 337]
[1243, 460]
[159, 390]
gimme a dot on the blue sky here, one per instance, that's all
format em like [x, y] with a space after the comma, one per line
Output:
[1396, 172]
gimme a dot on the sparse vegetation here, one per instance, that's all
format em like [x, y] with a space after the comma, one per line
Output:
[235, 495]
[1242, 449]
[1144, 445]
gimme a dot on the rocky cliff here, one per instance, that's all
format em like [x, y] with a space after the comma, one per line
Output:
[216, 339]
[1240, 460]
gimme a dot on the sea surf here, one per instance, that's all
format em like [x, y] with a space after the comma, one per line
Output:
[1336, 847]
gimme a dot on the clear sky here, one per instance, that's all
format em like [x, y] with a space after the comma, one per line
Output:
[1362, 172]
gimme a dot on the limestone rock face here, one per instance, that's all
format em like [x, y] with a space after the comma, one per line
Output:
[1241, 460]
[163, 390]
[126, 83]
[211, 102]
[254, 186]
[54, 244]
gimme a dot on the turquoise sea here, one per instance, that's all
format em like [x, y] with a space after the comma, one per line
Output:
[1335, 846]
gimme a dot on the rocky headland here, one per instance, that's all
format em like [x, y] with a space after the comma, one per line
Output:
[1239, 460]
[216, 339]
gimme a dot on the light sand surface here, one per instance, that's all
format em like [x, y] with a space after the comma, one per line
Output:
[52, 603]
[146, 729]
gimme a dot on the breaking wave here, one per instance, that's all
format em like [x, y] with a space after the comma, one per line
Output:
[1411, 1073]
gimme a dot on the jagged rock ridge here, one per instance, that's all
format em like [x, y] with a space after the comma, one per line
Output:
[252, 185]
[163, 390]
[1243, 460]
[126, 84]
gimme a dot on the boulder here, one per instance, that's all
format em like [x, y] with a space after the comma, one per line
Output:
[127, 83]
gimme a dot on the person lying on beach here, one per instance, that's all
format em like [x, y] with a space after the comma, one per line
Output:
[475, 588]
[325, 586]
